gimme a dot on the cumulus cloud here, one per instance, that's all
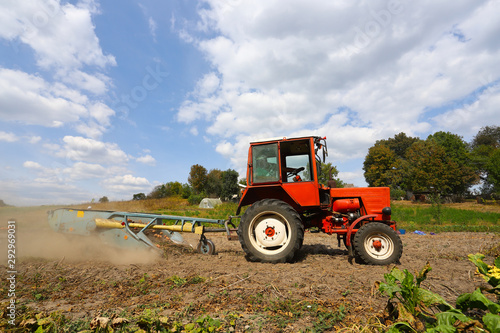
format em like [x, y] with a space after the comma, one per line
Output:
[82, 171]
[35, 139]
[147, 159]
[77, 148]
[126, 184]
[484, 106]
[353, 71]
[68, 183]
[59, 193]
[31, 100]
[62, 37]
[32, 165]
[8, 137]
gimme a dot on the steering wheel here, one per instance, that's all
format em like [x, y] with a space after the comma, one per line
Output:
[293, 172]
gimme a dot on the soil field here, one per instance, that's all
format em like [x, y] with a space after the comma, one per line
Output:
[79, 283]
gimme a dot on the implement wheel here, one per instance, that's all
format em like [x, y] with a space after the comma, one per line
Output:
[205, 246]
[271, 231]
[376, 243]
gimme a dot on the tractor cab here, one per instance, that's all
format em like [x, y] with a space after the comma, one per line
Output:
[288, 170]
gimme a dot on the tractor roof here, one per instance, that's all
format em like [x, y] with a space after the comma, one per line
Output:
[282, 139]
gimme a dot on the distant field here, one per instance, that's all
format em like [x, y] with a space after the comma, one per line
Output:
[468, 216]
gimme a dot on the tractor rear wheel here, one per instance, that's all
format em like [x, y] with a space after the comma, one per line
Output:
[376, 243]
[271, 231]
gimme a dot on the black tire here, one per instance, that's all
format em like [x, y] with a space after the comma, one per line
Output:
[376, 243]
[271, 231]
[205, 247]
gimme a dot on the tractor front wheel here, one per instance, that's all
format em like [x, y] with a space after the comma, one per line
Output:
[376, 243]
[271, 231]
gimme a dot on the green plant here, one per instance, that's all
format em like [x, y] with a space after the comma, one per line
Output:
[414, 309]
[144, 284]
[470, 302]
[37, 292]
[411, 306]
[177, 281]
[202, 325]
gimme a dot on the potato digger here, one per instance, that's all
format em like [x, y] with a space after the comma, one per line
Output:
[284, 199]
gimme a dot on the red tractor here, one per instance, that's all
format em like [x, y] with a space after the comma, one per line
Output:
[286, 198]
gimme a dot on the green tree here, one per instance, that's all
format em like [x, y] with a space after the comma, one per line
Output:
[493, 170]
[399, 144]
[485, 146]
[186, 191]
[324, 175]
[243, 181]
[139, 196]
[104, 199]
[383, 167]
[430, 169]
[229, 184]
[457, 150]
[174, 188]
[385, 163]
[213, 185]
[487, 136]
[197, 178]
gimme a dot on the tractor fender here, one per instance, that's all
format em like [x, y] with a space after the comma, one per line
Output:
[353, 225]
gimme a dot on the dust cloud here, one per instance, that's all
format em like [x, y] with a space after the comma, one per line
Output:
[35, 239]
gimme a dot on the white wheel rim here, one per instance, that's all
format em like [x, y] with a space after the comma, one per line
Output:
[379, 246]
[269, 233]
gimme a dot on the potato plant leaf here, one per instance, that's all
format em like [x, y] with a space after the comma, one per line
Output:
[477, 259]
[477, 300]
[492, 322]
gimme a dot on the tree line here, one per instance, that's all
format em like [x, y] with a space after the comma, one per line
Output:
[201, 183]
[441, 165]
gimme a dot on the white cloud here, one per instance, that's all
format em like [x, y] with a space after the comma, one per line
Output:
[78, 148]
[81, 46]
[194, 131]
[63, 184]
[147, 159]
[35, 139]
[464, 119]
[8, 137]
[83, 171]
[62, 37]
[31, 100]
[353, 71]
[30, 193]
[32, 165]
[126, 184]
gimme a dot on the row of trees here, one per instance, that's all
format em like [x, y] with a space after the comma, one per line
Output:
[201, 183]
[443, 164]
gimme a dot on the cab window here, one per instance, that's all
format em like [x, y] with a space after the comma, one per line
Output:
[265, 163]
[296, 161]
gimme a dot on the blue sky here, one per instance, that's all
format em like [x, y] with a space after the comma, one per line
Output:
[102, 98]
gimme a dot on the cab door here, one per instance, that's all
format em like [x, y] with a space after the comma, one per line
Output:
[298, 172]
